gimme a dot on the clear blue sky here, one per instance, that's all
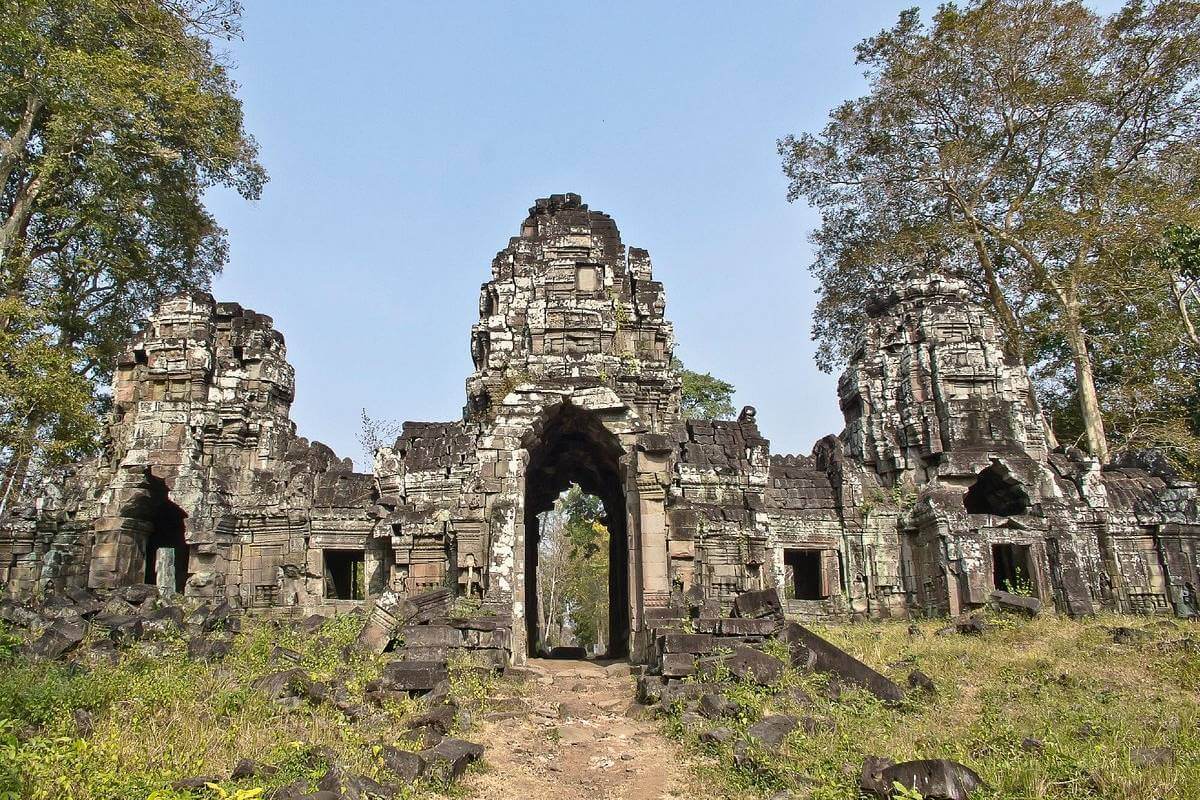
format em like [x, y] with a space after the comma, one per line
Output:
[406, 141]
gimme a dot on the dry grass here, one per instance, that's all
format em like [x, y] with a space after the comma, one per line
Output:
[1091, 703]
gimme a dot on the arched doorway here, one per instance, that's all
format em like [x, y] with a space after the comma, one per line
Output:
[574, 447]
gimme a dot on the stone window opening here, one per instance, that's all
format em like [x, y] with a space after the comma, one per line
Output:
[587, 278]
[1011, 568]
[805, 574]
[345, 572]
[996, 492]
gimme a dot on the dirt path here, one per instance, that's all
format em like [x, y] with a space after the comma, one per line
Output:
[569, 737]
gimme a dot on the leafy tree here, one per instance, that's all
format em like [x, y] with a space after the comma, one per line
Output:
[586, 592]
[1180, 257]
[1146, 366]
[1029, 147]
[115, 117]
[40, 392]
[705, 397]
[573, 570]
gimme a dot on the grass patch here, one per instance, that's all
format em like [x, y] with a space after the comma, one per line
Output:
[156, 719]
[1089, 701]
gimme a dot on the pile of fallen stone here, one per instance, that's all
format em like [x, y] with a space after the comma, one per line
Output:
[426, 629]
[692, 649]
[422, 636]
[440, 759]
[688, 646]
[127, 617]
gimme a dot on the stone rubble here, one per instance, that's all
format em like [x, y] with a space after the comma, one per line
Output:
[58, 626]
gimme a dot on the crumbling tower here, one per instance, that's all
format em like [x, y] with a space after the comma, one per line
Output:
[568, 306]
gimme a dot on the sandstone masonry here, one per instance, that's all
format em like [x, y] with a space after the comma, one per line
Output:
[939, 492]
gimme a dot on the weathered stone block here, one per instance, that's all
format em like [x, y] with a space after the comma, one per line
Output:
[411, 676]
[760, 604]
[810, 651]
[431, 636]
[935, 779]
[770, 731]
[678, 665]
[748, 664]
[695, 643]
[1020, 604]
[450, 758]
[749, 627]
[59, 639]
[404, 765]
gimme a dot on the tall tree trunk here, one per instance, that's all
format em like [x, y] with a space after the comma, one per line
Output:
[1085, 383]
[12, 151]
[1014, 334]
[1181, 305]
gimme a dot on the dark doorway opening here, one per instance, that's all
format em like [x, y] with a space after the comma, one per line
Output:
[166, 543]
[805, 578]
[345, 572]
[1011, 569]
[574, 447]
[995, 491]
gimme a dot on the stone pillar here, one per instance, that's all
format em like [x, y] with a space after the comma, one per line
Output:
[117, 557]
[651, 476]
[164, 570]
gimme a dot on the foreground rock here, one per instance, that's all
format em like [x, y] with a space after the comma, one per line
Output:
[59, 639]
[770, 732]
[933, 779]
[811, 652]
[347, 786]
[404, 765]
[1017, 603]
[412, 677]
[391, 612]
[448, 759]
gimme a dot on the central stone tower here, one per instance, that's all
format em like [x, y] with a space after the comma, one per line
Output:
[573, 383]
[568, 307]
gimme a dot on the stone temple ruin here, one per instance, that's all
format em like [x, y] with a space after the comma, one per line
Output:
[939, 492]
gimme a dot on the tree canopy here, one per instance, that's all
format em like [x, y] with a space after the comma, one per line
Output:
[1042, 153]
[115, 117]
[705, 397]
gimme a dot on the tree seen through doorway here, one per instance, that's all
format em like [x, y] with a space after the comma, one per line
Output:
[573, 573]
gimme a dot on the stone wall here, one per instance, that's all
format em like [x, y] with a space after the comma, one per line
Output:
[203, 462]
[939, 491]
